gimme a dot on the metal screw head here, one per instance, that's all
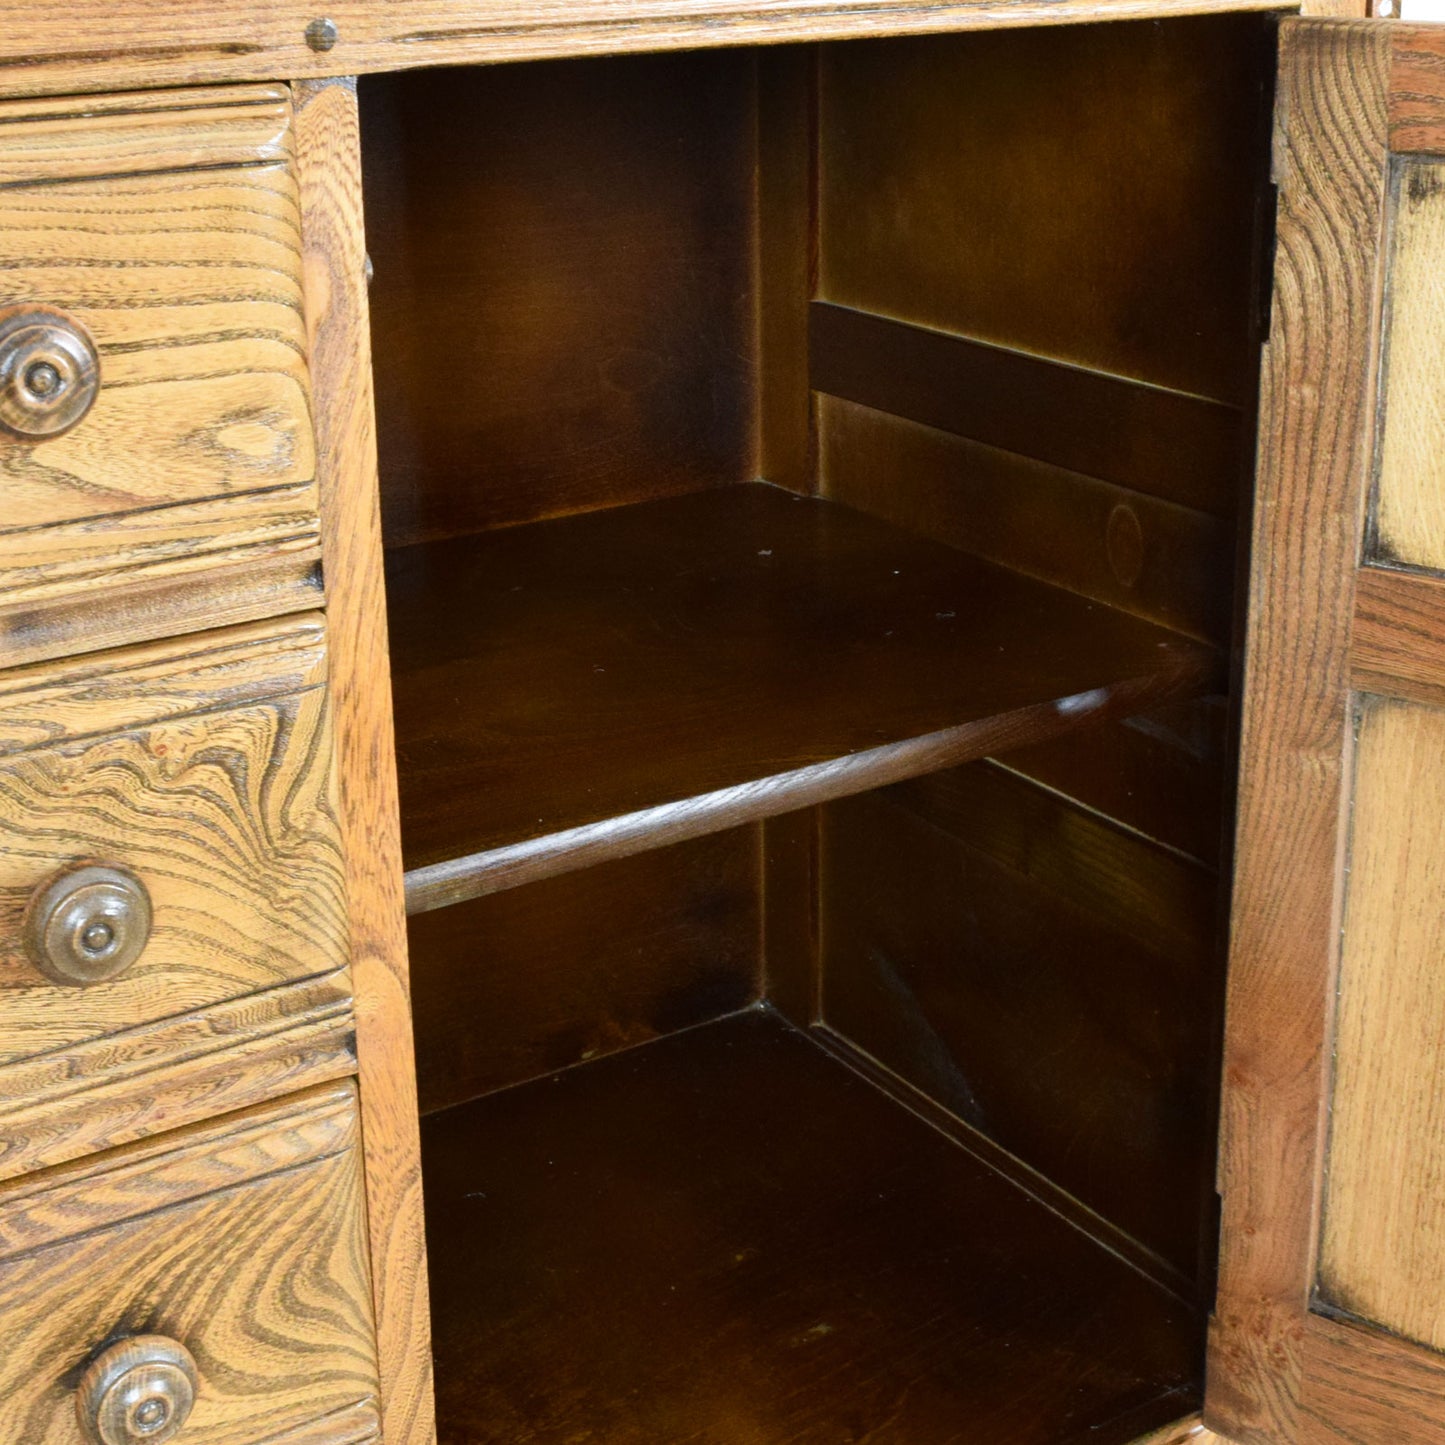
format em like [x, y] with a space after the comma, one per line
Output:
[322, 34]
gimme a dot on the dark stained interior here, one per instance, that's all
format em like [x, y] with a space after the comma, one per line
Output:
[813, 481]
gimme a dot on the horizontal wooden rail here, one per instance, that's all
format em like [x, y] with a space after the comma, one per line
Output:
[1166, 443]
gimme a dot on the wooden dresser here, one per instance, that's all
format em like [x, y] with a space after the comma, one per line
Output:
[764, 687]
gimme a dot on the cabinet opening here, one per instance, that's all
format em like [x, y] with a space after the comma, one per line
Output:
[813, 480]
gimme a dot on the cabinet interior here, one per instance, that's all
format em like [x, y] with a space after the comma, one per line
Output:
[813, 483]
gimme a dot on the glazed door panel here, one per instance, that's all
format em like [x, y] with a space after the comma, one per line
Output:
[1332, 1263]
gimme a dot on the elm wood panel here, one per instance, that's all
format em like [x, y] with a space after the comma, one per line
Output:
[1408, 525]
[328, 140]
[726, 1235]
[1170, 444]
[1313, 476]
[69, 139]
[1045, 978]
[1086, 194]
[787, 263]
[614, 681]
[1166, 563]
[198, 451]
[569, 320]
[144, 611]
[133, 1084]
[1417, 89]
[110, 691]
[520, 984]
[1160, 774]
[1380, 1256]
[1398, 639]
[791, 978]
[81, 46]
[228, 818]
[250, 1251]
[1362, 1386]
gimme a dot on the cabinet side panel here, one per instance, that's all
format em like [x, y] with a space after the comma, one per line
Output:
[333, 238]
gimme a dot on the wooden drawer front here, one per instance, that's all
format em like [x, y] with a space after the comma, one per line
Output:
[203, 768]
[242, 1240]
[168, 227]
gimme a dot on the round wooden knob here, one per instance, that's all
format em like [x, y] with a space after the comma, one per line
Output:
[138, 1392]
[88, 924]
[49, 372]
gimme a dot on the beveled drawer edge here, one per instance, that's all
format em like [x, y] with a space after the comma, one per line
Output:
[359, 1424]
[166, 607]
[49, 142]
[205, 1158]
[236, 1074]
[109, 1060]
[115, 690]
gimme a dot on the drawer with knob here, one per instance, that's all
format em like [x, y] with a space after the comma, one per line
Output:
[155, 416]
[209, 1286]
[173, 929]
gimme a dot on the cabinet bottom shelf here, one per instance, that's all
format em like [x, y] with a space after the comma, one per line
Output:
[728, 1237]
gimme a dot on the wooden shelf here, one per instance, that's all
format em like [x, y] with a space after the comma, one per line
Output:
[587, 687]
[728, 1235]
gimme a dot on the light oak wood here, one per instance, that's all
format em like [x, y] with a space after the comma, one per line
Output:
[1312, 480]
[1417, 90]
[1410, 518]
[198, 451]
[205, 769]
[142, 133]
[160, 608]
[1361, 1384]
[1397, 646]
[1382, 1250]
[82, 45]
[242, 1239]
[328, 148]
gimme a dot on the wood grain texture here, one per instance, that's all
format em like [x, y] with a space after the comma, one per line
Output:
[142, 133]
[1169, 564]
[244, 1241]
[1409, 521]
[1167, 444]
[519, 984]
[1312, 480]
[1085, 194]
[333, 239]
[600, 246]
[600, 689]
[206, 770]
[198, 451]
[1362, 1386]
[1417, 90]
[145, 610]
[1398, 641]
[769, 1250]
[80, 45]
[1381, 1257]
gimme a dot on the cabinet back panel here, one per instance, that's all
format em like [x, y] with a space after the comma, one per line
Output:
[1085, 193]
[563, 304]
[523, 982]
[1044, 976]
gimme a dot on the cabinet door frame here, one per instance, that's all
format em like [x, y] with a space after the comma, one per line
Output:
[1327, 626]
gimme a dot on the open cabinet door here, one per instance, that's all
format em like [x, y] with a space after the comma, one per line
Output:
[1330, 1321]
